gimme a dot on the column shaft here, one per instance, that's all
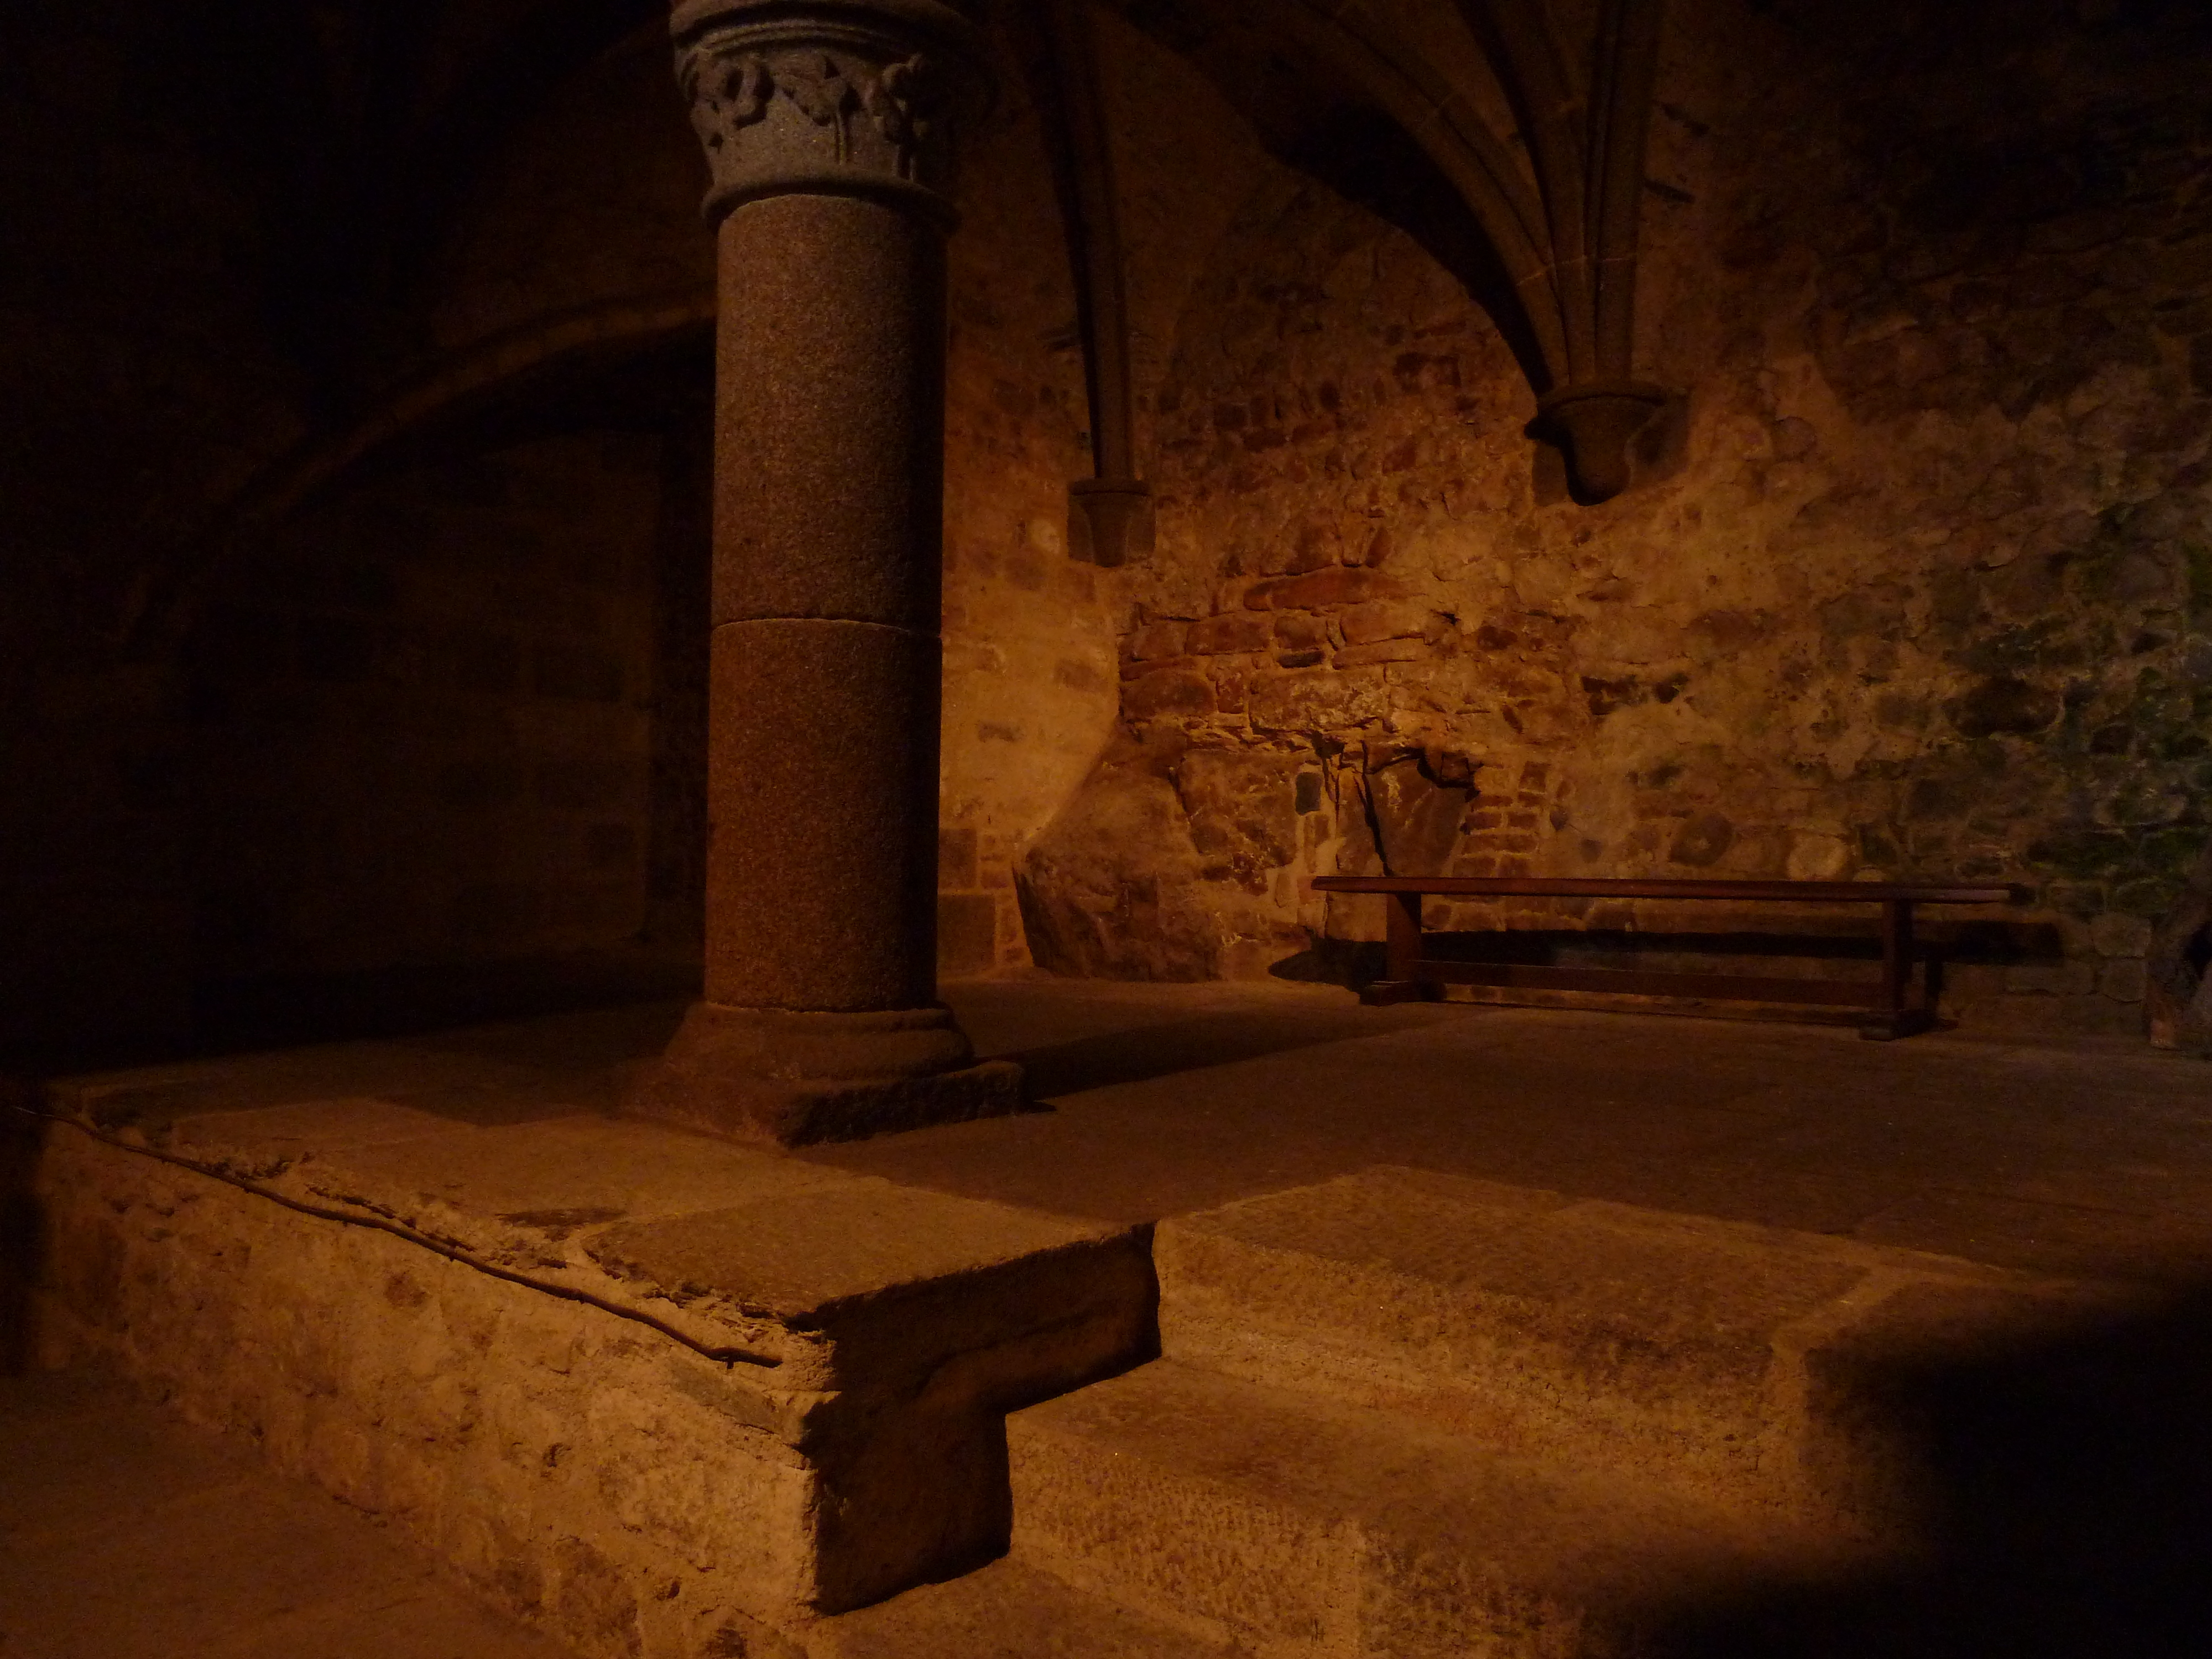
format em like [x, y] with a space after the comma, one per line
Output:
[825, 131]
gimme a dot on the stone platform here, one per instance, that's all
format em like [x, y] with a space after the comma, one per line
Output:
[646, 1386]
[663, 1395]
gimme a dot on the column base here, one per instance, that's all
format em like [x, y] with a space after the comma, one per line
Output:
[794, 1078]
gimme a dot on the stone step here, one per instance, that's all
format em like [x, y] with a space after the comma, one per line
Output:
[1305, 1528]
[1758, 1368]
[1011, 1609]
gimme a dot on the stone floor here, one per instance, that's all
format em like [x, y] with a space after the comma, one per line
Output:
[125, 1535]
[2067, 1155]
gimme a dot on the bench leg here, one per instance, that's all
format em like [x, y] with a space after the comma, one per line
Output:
[1384, 991]
[1892, 1019]
[1402, 979]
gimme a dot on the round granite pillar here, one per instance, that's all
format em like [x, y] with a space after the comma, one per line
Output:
[822, 781]
[827, 135]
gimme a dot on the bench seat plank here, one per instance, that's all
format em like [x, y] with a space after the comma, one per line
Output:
[1817, 892]
[1883, 1002]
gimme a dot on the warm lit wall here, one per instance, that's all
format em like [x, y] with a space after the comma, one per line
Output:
[1922, 584]
[1030, 683]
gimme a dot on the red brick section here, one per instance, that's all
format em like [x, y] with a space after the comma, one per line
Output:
[1346, 585]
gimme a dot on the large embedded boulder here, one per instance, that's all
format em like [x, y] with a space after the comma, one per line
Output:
[1170, 864]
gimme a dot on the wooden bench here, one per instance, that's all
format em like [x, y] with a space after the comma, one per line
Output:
[1887, 1004]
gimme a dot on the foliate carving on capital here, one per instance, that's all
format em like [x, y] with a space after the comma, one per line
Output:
[834, 110]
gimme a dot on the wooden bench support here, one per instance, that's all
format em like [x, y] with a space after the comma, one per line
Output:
[1887, 1005]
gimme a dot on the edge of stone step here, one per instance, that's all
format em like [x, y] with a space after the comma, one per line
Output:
[1305, 1527]
[1011, 1609]
[1754, 1367]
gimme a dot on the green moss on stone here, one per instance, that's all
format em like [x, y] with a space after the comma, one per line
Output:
[2198, 556]
[2081, 854]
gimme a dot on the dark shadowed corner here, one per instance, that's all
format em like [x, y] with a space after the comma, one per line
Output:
[2064, 1477]
[22, 1232]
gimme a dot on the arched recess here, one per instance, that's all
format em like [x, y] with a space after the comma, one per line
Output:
[498, 374]
[1512, 148]
[443, 678]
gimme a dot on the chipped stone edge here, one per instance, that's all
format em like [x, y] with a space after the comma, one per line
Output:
[286, 1182]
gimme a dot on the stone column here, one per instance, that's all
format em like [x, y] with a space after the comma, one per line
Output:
[826, 127]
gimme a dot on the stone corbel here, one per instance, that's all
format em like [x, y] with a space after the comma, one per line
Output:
[1586, 144]
[1109, 520]
[1109, 517]
[1594, 425]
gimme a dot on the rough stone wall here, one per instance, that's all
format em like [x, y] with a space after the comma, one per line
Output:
[1914, 579]
[1914, 583]
[1030, 687]
[420, 718]
[598, 1480]
[135, 375]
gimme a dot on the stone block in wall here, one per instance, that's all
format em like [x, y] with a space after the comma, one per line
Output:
[1242, 809]
[956, 857]
[1109, 891]
[1169, 692]
[1702, 841]
[1382, 651]
[2054, 979]
[1368, 624]
[1306, 701]
[1417, 817]
[2123, 979]
[2116, 935]
[967, 932]
[1155, 640]
[1322, 590]
[1234, 632]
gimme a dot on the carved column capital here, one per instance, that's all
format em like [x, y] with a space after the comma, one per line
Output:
[830, 97]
